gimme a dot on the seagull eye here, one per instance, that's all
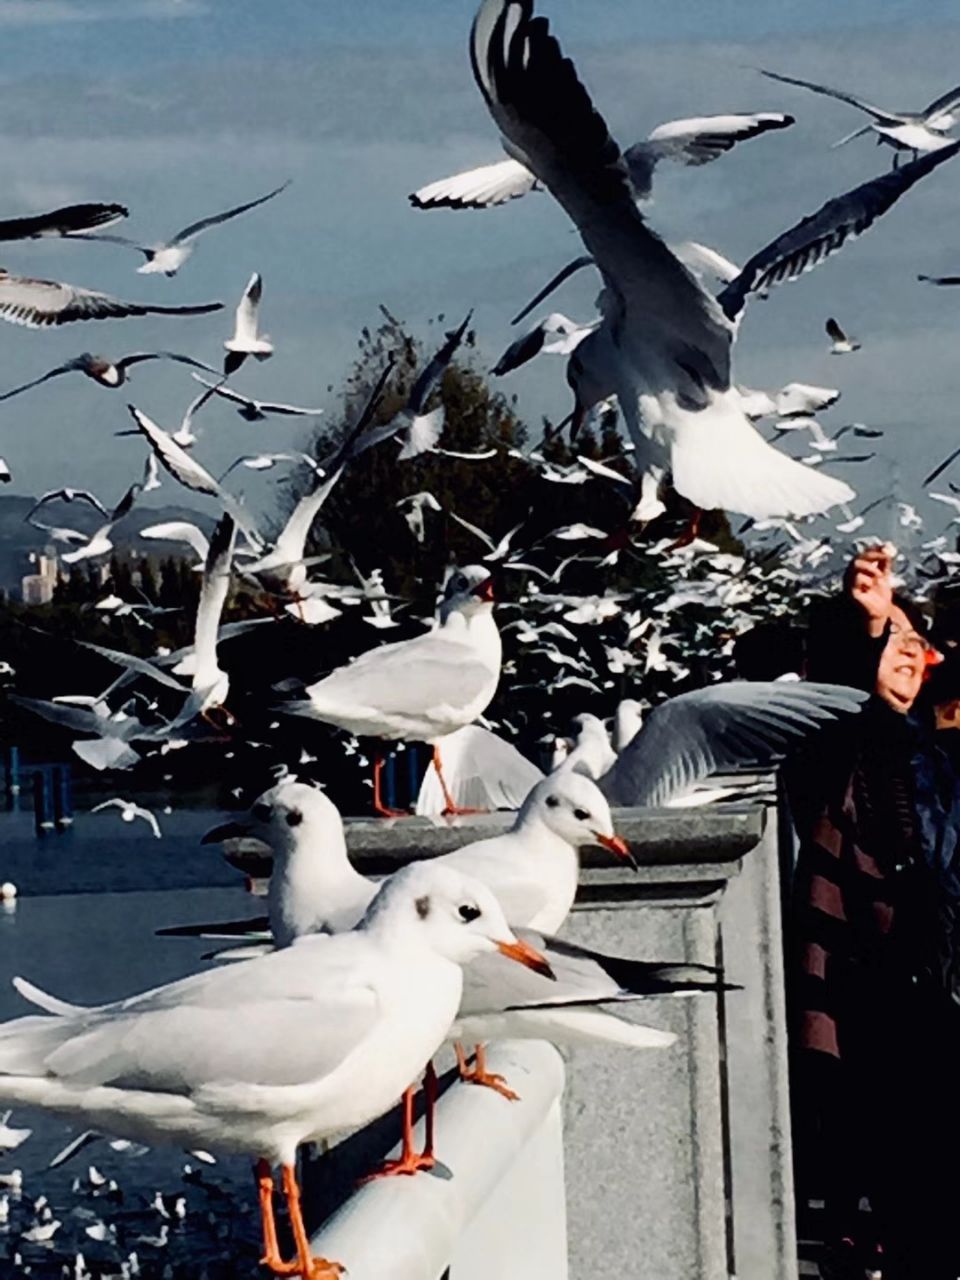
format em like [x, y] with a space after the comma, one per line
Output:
[294, 818]
[552, 802]
[469, 912]
[262, 812]
[581, 815]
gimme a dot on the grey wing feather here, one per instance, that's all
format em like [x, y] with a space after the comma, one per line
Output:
[825, 232]
[879, 113]
[948, 101]
[435, 370]
[69, 367]
[202, 224]
[723, 727]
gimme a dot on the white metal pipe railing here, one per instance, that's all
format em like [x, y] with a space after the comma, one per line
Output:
[494, 1207]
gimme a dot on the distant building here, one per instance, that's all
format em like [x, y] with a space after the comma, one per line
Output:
[38, 588]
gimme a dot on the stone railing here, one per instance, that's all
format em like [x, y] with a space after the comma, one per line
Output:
[667, 1164]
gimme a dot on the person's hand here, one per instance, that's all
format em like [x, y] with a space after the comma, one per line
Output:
[869, 581]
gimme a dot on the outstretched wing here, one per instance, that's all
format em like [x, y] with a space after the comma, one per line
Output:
[72, 219]
[696, 141]
[724, 727]
[195, 228]
[482, 188]
[41, 304]
[825, 232]
[878, 113]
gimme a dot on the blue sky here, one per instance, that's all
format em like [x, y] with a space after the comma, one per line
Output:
[182, 107]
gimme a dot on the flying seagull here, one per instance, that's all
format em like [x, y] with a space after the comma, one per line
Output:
[100, 542]
[916, 131]
[168, 256]
[689, 142]
[61, 222]
[109, 373]
[664, 346]
[247, 339]
[258, 410]
[939, 280]
[843, 345]
[42, 304]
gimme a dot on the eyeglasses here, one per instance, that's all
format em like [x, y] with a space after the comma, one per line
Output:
[910, 640]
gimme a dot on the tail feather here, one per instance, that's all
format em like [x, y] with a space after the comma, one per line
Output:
[27, 1043]
[720, 460]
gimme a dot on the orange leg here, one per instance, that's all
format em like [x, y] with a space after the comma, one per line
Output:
[478, 1074]
[430, 1104]
[450, 807]
[378, 806]
[271, 1248]
[689, 533]
[409, 1162]
[307, 1266]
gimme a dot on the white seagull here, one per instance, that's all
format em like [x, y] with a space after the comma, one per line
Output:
[300, 1045]
[554, 335]
[257, 410]
[421, 689]
[695, 141]
[168, 256]
[129, 812]
[100, 543]
[44, 304]
[842, 344]
[179, 531]
[664, 347]
[247, 339]
[916, 131]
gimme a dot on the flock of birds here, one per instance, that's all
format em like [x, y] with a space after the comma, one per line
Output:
[350, 987]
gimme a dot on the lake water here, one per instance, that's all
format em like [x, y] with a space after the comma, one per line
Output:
[83, 928]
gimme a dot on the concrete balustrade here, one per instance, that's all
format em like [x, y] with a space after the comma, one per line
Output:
[676, 1163]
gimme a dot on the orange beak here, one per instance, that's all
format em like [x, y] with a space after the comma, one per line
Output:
[618, 846]
[527, 955]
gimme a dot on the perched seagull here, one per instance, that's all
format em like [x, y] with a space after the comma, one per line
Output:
[842, 345]
[61, 222]
[297, 1046]
[421, 689]
[100, 542]
[179, 531]
[689, 142]
[422, 429]
[257, 410]
[556, 335]
[247, 340]
[170, 255]
[916, 131]
[191, 474]
[42, 304]
[109, 373]
[129, 812]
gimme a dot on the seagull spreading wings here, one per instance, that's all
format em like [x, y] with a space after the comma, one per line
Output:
[842, 344]
[61, 222]
[179, 531]
[100, 542]
[688, 142]
[129, 811]
[184, 468]
[67, 495]
[422, 429]
[555, 335]
[42, 304]
[170, 255]
[716, 729]
[258, 410]
[914, 131]
[109, 373]
[664, 346]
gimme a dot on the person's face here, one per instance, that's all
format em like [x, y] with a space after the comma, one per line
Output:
[902, 663]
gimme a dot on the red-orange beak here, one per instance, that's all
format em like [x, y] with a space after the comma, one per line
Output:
[618, 846]
[524, 954]
[484, 591]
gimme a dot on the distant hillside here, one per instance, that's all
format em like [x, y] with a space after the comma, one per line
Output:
[18, 539]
